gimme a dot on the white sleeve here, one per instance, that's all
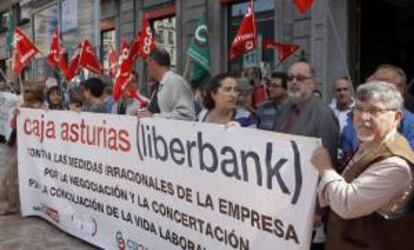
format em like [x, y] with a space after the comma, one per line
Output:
[371, 190]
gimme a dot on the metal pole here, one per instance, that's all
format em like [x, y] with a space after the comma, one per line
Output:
[97, 25]
[3, 75]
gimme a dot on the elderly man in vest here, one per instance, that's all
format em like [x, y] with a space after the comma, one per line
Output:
[371, 202]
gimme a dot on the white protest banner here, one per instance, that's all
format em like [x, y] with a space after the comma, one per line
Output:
[120, 183]
[8, 102]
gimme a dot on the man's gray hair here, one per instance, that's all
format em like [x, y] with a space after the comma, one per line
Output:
[380, 91]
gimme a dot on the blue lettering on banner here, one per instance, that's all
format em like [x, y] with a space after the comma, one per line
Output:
[153, 145]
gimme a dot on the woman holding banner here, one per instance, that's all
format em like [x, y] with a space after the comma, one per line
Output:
[220, 101]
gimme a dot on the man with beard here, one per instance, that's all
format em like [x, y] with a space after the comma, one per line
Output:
[307, 115]
[371, 202]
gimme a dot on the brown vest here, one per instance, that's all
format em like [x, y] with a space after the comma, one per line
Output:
[373, 232]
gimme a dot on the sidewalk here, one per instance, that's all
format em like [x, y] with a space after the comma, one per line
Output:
[31, 233]
[5, 154]
[35, 234]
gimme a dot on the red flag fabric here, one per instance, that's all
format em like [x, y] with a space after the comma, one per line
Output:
[88, 59]
[74, 66]
[246, 38]
[134, 51]
[123, 75]
[303, 5]
[284, 50]
[57, 57]
[131, 92]
[112, 61]
[54, 53]
[146, 39]
[24, 51]
[124, 61]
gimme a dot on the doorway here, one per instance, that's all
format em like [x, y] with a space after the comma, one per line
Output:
[384, 34]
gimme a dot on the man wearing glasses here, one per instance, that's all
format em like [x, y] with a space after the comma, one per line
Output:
[371, 200]
[304, 114]
[278, 95]
[307, 115]
[392, 75]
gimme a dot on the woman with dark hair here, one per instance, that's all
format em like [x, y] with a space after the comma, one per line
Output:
[53, 98]
[221, 95]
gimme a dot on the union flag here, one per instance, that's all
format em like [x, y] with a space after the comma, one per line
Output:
[24, 51]
[246, 38]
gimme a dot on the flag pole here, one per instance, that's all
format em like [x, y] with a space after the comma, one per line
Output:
[7, 81]
[45, 56]
[277, 65]
[11, 87]
[4, 75]
[187, 64]
[20, 83]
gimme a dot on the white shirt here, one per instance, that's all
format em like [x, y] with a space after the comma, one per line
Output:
[342, 115]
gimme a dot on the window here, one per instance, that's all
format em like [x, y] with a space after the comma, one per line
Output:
[171, 37]
[162, 19]
[45, 21]
[165, 33]
[160, 37]
[3, 22]
[25, 15]
[265, 22]
[108, 39]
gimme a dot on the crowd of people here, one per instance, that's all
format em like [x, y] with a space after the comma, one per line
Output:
[365, 162]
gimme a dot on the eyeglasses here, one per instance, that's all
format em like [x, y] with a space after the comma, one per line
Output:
[372, 111]
[299, 78]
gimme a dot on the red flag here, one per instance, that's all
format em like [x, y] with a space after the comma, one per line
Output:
[284, 50]
[124, 61]
[246, 38]
[303, 5]
[54, 53]
[88, 59]
[123, 75]
[112, 61]
[24, 51]
[146, 39]
[73, 69]
[132, 92]
[134, 51]
[57, 56]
